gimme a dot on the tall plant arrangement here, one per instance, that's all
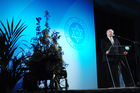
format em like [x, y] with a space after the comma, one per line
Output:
[9, 37]
[46, 63]
[46, 48]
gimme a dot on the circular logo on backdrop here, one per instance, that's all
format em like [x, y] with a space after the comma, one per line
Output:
[76, 32]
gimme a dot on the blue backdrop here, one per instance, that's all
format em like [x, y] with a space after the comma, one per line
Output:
[74, 19]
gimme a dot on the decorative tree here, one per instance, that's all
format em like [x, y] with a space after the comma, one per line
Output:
[46, 61]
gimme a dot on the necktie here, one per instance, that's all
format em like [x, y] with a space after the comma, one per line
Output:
[112, 40]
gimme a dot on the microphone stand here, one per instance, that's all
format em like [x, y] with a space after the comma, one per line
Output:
[135, 42]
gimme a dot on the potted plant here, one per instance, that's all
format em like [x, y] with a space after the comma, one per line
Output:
[10, 66]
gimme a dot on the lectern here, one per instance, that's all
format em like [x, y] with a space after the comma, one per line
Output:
[118, 51]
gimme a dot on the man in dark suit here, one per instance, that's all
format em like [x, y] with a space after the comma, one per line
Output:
[116, 61]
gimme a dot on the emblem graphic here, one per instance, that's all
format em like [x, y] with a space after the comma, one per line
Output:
[76, 32]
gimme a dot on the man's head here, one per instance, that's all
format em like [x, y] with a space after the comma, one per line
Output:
[110, 32]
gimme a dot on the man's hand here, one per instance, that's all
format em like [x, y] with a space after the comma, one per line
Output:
[125, 52]
[107, 52]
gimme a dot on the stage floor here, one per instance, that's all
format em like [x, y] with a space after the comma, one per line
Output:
[99, 90]
[108, 90]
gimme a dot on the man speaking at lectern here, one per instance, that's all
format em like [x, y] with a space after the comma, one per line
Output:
[116, 62]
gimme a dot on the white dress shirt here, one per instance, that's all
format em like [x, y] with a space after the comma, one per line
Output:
[111, 40]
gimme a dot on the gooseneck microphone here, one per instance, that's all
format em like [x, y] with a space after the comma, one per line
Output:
[116, 35]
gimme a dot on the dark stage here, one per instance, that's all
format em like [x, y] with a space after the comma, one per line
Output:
[85, 70]
[110, 14]
[126, 24]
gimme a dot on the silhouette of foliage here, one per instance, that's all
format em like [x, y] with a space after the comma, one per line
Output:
[9, 37]
[46, 61]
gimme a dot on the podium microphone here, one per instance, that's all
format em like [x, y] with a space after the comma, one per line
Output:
[116, 35]
[113, 35]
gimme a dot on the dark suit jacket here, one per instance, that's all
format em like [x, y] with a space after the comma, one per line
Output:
[114, 49]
